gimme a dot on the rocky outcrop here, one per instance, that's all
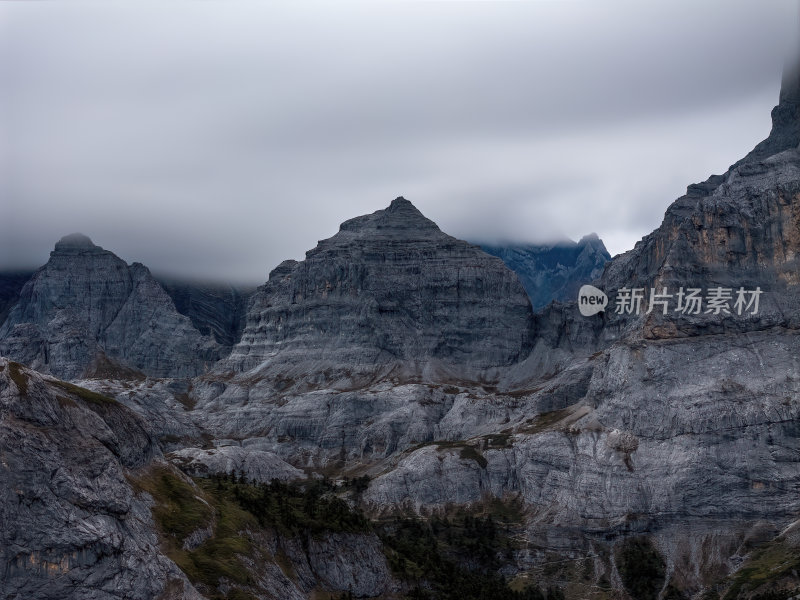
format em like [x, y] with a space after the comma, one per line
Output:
[555, 271]
[352, 428]
[785, 133]
[343, 562]
[163, 404]
[737, 230]
[71, 526]
[248, 463]
[87, 305]
[667, 430]
[89, 509]
[389, 293]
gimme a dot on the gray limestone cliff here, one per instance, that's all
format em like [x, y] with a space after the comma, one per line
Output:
[89, 509]
[686, 429]
[86, 307]
[736, 230]
[389, 293]
[71, 525]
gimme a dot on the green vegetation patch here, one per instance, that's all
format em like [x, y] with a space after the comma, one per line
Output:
[454, 559]
[86, 395]
[508, 510]
[641, 568]
[468, 451]
[105, 368]
[232, 509]
[311, 507]
[547, 420]
[760, 576]
[186, 400]
[447, 444]
[179, 510]
[220, 555]
[471, 453]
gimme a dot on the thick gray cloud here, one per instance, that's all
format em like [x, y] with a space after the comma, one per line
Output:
[217, 139]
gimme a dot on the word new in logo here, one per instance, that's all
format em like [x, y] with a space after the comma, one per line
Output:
[591, 300]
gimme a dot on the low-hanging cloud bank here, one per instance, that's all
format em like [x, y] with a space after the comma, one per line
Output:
[211, 140]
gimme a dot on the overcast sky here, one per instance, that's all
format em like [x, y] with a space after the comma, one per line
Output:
[216, 139]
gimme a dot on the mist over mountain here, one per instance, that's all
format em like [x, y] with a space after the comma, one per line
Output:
[11, 283]
[555, 271]
[404, 414]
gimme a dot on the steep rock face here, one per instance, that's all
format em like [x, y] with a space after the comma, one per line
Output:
[87, 305]
[743, 234]
[666, 430]
[694, 443]
[390, 290]
[11, 283]
[70, 524]
[83, 490]
[215, 309]
[687, 430]
[351, 428]
[785, 133]
[740, 229]
[341, 562]
[163, 405]
[736, 230]
[554, 272]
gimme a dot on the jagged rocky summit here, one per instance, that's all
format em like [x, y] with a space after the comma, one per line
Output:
[87, 310]
[736, 230]
[389, 293]
[554, 271]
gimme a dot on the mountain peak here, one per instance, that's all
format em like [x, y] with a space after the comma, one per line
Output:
[790, 85]
[75, 241]
[593, 241]
[400, 218]
[786, 116]
[85, 303]
[785, 133]
[589, 237]
[390, 288]
[400, 204]
[404, 208]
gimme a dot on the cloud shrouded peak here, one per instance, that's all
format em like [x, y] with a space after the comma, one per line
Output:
[75, 241]
[215, 142]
